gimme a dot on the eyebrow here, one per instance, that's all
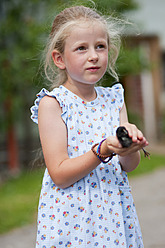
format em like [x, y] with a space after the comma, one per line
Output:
[86, 42]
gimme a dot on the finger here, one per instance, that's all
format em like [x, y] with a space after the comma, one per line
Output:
[145, 142]
[134, 135]
[140, 135]
[137, 135]
[132, 131]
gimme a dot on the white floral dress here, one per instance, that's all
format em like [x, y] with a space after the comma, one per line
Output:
[98, 210]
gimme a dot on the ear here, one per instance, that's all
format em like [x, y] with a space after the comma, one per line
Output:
[58, 59]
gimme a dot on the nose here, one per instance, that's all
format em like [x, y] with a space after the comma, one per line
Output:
[93, 56]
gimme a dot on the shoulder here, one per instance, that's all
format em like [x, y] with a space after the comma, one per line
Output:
[113, 94]
[48, 102]
[49, 108]
[116, 87]
[116, 90]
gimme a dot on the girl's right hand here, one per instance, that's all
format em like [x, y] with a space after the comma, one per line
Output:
[110, 145]
[129, 157]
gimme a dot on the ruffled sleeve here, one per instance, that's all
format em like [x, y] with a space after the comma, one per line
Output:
[54, 93]
[117, 96]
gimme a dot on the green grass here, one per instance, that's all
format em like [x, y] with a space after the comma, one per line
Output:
[148, 165]
[19, 197]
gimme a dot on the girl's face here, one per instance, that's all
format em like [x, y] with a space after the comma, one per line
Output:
[85, 55]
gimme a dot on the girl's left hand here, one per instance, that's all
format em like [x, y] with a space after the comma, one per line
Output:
[134, 133]
[139, 141]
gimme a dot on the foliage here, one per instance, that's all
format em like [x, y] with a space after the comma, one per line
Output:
[107, 6]
[20, 32]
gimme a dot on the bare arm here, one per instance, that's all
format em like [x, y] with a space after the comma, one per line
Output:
[53, 134]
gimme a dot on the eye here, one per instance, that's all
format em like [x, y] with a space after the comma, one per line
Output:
[81, 48]
[101, 46]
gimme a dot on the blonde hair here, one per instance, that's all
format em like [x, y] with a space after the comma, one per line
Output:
[61, 27]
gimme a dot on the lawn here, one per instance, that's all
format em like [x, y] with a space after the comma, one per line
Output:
[148, 165]
[19, 196]
[19, 200]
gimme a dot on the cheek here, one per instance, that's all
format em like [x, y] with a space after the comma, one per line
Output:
[74, 66]
[105, 60]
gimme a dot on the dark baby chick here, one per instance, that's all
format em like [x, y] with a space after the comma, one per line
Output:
[125, 140]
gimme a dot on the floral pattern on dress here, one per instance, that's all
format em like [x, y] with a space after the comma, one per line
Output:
[98, 210]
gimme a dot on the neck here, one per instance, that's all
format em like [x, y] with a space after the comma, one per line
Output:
[84, 91]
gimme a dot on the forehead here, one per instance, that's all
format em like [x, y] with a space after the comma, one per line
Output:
[87, 30]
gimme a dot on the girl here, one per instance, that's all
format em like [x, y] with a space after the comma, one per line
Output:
[85, 199]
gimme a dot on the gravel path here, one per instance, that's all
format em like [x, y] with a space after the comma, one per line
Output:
[149, 196]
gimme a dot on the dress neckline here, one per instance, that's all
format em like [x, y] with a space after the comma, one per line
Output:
[79, 99]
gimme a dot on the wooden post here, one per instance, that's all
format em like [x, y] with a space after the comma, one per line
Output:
[12, 145]
[12, 150]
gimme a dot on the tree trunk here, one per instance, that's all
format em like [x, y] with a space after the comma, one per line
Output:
[12, 151]
[12, 146]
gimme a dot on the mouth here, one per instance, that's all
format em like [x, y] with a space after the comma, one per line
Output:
[93, 68]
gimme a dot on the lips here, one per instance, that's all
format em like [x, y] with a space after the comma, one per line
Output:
[93, 68]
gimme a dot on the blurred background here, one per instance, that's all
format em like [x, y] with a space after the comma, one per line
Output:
[24, 28]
